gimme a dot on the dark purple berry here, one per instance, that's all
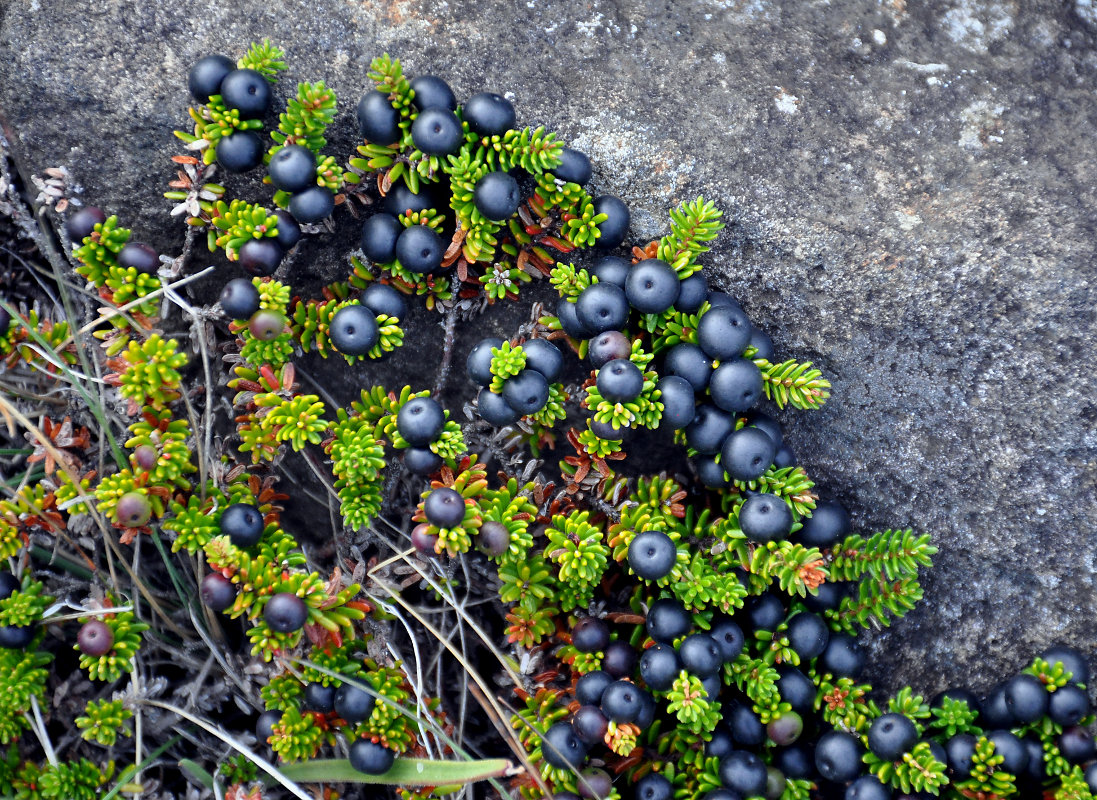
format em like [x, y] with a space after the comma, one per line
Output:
[527, 392]
[378, 121]
[891, 735]
[493, 538]
[444, 508]
[371, 758]
[745, 726]
[1076, 745]
[602, 307]
[796, 689]
[659, 666]
[488, 114]
[590, 635]
[620, 381]
[608, 346]
[494, 409]
[264, 726]
[432, 92]
[1010, 748]
[762, 344]
[619, 659]
[590, 724]
[354, 330]
[654, 787]
[319, 698]
[700, 655]
[478, 364]
[260, 257]
[959, 751]
[353, 704]
[652, 555]
[419, 249]
[808, 635]
[82, 224]
[421, 460]
[709, 429]
[728, 637]
[240, 151]
[217, 592]
[1072, 662]
[497, 196]
[247, 91]
[288, 231]
[243, 524]
[867, 787]
[423, 540]
[764, 612]
[743, 772]
[827, 597]
[606, 430]
[765, 518]
[652, 286]
[420, 421]
[16, 637]
[828, 523]
[401, 200]
[95, 638]
[612, 230]
[574, 167]
[677, 398]
[133, 510]
[785, 457]
[612, 269]
[843, 657]
[796, 762]
[205, 77]
[292, 168]
[379, 235]
[621, 701]
[723, 333]
[569, 320]
[380, 298]
[995, 712]
[1026, 698]
[590, 687]
[711, 473]
[765, 423]
[239, 299]
[562, 748]
[312, 205]
[746, 454]
[285, 613]
[667, 620]
[691, 293]
[139, 256]
[437, 132]
[838, 756]
[9, 585]
[594, 784]
[736, 385]
[1068, 705]
[266, 325]
[688, 361]
[544, 357]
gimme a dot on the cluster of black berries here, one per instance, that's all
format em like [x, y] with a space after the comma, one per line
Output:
[138, 255]
[245, 91]
[522, 394]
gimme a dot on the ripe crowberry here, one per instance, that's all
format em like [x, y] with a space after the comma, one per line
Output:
[764, 612]
[497, 196]
[589, 724]
[140, 257]
[796, 689]
[652, 555]
[612, 269]
[710, 473]
[607, 346]
[217, 591]
[736, 385]
[488, 114]
[239, 299]
[765, 423]
[765, 518]
[527, 392]
[960, 749]
[401, 200]
[437, 132]
[700, 655]
[562, 748]
[240, 151]
[419, 249]
[723, 332]
[494, 409]
[493, 538]
[602, 307]
[796, 762]
[828, 523]
[95, 638]
[260, 257]
[432, 92]
[264, 726]
[568, 314]
[1076, 744]
[606, 430]
[677, 398]
[808, 635]
[247, 91]
[380, 298]
[243, 524]
[319, 697]
[444, 508]
[285, 613]
[709, 429]
[371, 758]
[421, 460]
[590, 635]
[728, 637]
[838, 756]
[745, 726]
[1071, 660]
[867, 787]
[743, 772]
[843, 656]
[687, 361]
[574, 167]
[312, 205]
[652, 286]
[619, 659]
[288, 231]
[420, 421]
[691, 293]
[762, 344]
[1010, 748]
[1026, 698]
[378, 121]
[292, 168]
[379, 235]
[1068, 705]
[659, 666]
[354, 330]
[205, 77]
[667, 619]
[544, 357]
[620, 381]
[353, 704]
[82, 224]
[478, 364]
[621, 701]
[653, 787]
[747, 454]
[891, 735]
[612, 230]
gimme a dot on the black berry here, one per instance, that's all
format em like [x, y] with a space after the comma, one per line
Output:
[700, 655]
[353, 704]
[828, 523]
[891, 735]
[677, 398]
[319, 697]
[785, 457]
[728, 637]
[743, 772]
[762, 344]
[867, 787]
[354, 330]
[544, 357]
[838, 756]
[312, 205]
[620, 381]
[1026, 698]
[1068, 705]
[239, 299]
[654, 787]
[590, 635]
[260, 257]
[1010, 748]
[497, 196]
[379, 235]
[217, 591]
[1072, 662]
[568, 314]
[420, 421]
[708, 430]
[765, 518]
[652, 286]
[843, 656]
[378, 121]
[602, 307]
[659, 666]
[264, 726]
[140, 257]
[691, 293]
[590, 687]
[808, 635]
[243, 524]
[766, 423]
[652, 555]
[796, 689]
[478, 364]
[745, 726]
[612, 269]
[240, 151]
[1076, 745]
[247, 91]
[401, 199]
[444, 508]
[432, 92]
[9, 585]
[590, 724]
[764, 612]
[527, 392]
[711, 473]
[420, 249]
[421, 460]
[562, 748]
[747, 454]
[494, 409]
[736, 385]
[205, 77]
[607, 430]
[574, 167]
[82, 224]
[288, 232]
[959, 751]
[612, 230]
[607, 346]
[723, 332]
[292, 168]
[437, 132]
[619, 659]
[380, 298]
[285, 613]
[621, 701]
[488, 114]
[667, 620]
[688, 361]
[371, 758]
[16, 637]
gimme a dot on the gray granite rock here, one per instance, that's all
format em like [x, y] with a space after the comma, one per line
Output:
[911, 192]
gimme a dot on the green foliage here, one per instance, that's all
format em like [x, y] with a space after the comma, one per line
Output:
[104, 721]
[954, 716]
[22, 676]
[306, 117]
[98, 252]
[168, 436]
[758, 680]
[357, 460]
[916, 771]
[553, 410]
[117, 661]
[76, 780]
[578, 549]
[297, 736]
[692, 225]
[569, 281]
[470, 483]
[1053, 676]
[197, 521]
[890, 555]
[25, 606]
[265, 58]
[149, 372]
[791, 484]
[506, 362]
[791, 383]
[689, 702]
[237, 222]
[843, 702]
[985, 775]
[298, 420]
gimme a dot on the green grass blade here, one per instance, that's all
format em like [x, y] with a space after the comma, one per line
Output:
[404, 772]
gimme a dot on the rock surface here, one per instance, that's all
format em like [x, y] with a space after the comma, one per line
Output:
[912, 192]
